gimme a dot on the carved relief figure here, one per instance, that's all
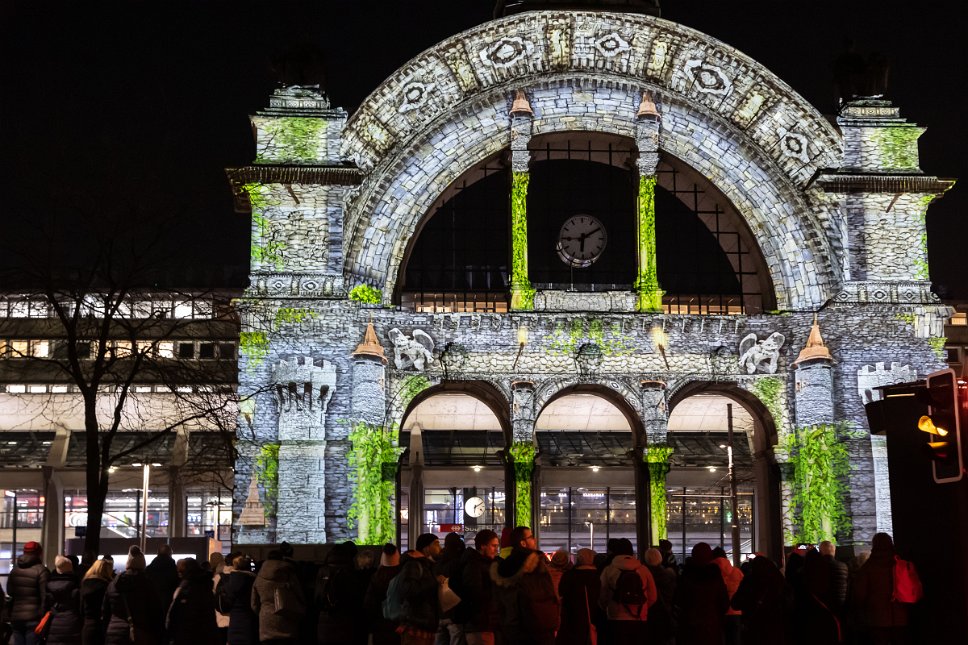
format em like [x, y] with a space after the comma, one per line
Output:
[754, 353]
[416, 351]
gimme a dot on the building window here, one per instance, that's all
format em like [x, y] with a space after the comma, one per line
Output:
[186, 350]
[166, 349]
[960, 319]
[226, 351]
[206, 351]
[21, 521]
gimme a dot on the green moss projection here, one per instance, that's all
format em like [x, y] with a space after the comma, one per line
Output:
[365, 294]
[522, 455]
[821, 467]
[267, 245]
[254, 345]
[411, 387]
[898, 147]
[373, 462]
[294, 316]
[937, 344]
[613, 342]
[647, 281]
[769, 390]
[522, 294]
[657, 457]
[267, 475]
[291, 139]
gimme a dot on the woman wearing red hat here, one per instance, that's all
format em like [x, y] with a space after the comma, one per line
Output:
[27, 588]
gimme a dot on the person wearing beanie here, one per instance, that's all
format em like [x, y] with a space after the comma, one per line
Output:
[417, 594]
[27, 588]
[661, 625]
[560, 562]
[382, 630]
[626, 576]
[63, 601]
[477, 611]
[133, 605]
[525, 593]
[702, 598]
[234, 596]
[506, 546]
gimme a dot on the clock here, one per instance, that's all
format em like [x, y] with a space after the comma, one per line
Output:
[474, 506]
[581, 241]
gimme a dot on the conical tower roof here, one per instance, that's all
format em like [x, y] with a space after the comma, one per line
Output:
[815, 349]
[371, 345]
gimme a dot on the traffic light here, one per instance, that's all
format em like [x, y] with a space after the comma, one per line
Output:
[942, 426]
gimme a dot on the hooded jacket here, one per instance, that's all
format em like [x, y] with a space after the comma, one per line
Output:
[92, 603]
[526, 598]
[63, 599]
[27, 588]
[616, 610]
[131, 594]
[273, 575]
[732, 576]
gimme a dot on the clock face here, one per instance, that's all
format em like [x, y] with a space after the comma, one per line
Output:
[474, 506]
[581, 241]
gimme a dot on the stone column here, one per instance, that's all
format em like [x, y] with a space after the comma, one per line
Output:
[657, 453]
[52, 535]
[522, 452]
[177, 514]
[522, 293]
[648, 293]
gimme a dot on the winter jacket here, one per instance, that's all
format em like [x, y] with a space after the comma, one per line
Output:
[417, 592]
[477, 610]
[662, 623]
[619, 611]
[163, 574]
[63, 601]
[273, 575]
[236, 592]
[702, 601]
[732, 576]
[339, 598]
[92, 604]
[191, 616]
[764, 598]
[27, 588]
[579, 590]
[383, 630]
[526, 598]
[132, 594]
[873, 593]
[837, 591]
[221, 620]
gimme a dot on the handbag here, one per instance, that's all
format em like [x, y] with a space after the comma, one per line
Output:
[448, 599]
[592, 630]
[287, 603]
[44, 625]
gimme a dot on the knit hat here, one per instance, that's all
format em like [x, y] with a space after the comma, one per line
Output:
[33, 547]
[136, 559]
[63, 565]
[390, 557]
[560, 559]
[425, 540]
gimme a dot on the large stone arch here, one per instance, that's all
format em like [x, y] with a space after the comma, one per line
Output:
[724, 114]
[616, 392]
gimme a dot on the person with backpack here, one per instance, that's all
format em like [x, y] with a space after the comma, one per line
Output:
[334, 596]
[412, 596]
[27, 588]
[382, 630]
[232, 599]
[627, 592]
[63, 601]
[875, 593]
[525, 593]
[277, 598]
[221, 572]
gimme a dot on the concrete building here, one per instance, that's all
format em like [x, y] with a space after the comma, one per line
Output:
[537, 275]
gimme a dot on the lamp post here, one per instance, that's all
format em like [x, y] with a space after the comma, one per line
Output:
[144, 506]
[733, 495]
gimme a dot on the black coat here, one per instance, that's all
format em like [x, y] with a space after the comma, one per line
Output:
[236, 591]
[191, 617]
[163, 574]
[92, 609]
[579, 590]
[133, 592]
[63, 601]
[383, 630]
[526, 598]
[27, 588]
[477, 610]
[702, 601]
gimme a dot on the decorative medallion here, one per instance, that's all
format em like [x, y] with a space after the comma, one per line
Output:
[507, 51]
[415, 95]
[794, 144]
[708, 79]
[611, 45]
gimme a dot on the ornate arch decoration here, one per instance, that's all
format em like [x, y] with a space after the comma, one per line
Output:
[723, 114]
[761, 442]
[485, 392]
[616, 392]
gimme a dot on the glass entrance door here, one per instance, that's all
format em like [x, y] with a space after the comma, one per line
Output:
[463, 510]
[580, 517]
[704, 515]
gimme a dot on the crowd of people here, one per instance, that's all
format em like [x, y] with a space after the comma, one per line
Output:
[501, 589]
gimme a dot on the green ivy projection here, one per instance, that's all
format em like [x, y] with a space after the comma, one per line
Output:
[647, 281]
[657, 457]
[267, 247]
[254, 345]
[373, 463]
[522, 454]
[769, 390]
[267, 474]
[613, 342]
[522, 293]
[291, 139]
[365, 294]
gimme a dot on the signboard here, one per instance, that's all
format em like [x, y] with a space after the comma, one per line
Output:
[451, 528]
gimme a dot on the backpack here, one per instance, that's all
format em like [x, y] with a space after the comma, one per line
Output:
[629, 591]
[907, 584]
[334, 586]
[393, 603]
[222, 603]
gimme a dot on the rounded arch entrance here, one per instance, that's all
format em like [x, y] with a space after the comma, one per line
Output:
[698, 484]
[722, 114]
[453, 470]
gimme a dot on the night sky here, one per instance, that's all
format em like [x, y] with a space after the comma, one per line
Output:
[123, 116]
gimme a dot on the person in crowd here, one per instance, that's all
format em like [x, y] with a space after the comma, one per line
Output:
[526, 596]
[93, 586]
[234, 598]
[610, 545]
[63, 601]
[661, 626]
[191, 616]
[818, 624]
[627, 592]
[581, 615]
[415, 591]
[557, 566]
[732, 576]
[163, 574]
[335, 595]
[222, 573]
[27, 589]
[132, 606]
[836, 592]
[382, 630]
[363, 572]
[701, 600]
[278, 625]
[506, 546]
[216, 562]
[447, 566]
[668, 556]
[764, 598]
[477, 611]
[884, 619]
